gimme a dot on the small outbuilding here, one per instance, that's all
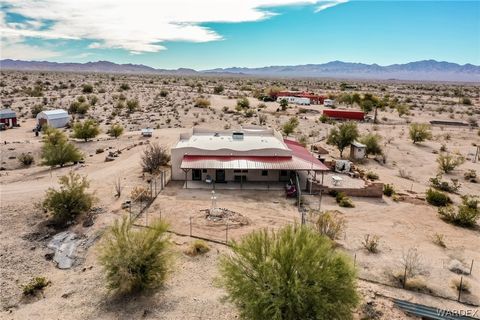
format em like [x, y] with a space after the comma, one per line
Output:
[57, 118]
[8, 117]
[147, 132]
[358, 150]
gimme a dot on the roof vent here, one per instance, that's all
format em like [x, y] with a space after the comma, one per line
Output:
[237, 135]
[216, 134]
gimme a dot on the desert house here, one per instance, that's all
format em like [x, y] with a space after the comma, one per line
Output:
[251, 154]
[57, 118]
[8, 117]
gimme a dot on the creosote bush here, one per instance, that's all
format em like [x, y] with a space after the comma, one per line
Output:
[197, 247]
[370, 243]
[135, 260]
[85, 130]
[293, 273]
[154, 157]
[466, 215]
[71, 200]
[202, 103]
[388, 190]
[447, 162]
[25, 159]
[328, 223]
[419, 132]
[344, 201]
[116, 130]
[437, 198]
[35, 285]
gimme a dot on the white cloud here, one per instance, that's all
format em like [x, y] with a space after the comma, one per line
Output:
[21, 51]
[137, 26]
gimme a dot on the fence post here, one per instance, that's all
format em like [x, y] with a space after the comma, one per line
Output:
[405, 278]
[226, 234]
[190, 226]
[471, 268]
[460, 289]
[355, 260]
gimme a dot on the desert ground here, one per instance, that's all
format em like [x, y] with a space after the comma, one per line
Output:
[168, 104]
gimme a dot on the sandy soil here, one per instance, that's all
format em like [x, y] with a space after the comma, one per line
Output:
[190, 293]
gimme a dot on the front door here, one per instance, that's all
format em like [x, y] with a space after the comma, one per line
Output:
[196, 174]
[220, 175]
[284, 175]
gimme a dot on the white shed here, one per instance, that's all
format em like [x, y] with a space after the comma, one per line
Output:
[328, 102]
[358, 150]
[57, 118]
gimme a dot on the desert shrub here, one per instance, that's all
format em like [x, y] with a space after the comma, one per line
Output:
[283, 104]
[437, 198]
[403, 173]
[370, 243]
[439, 240]
[388, 190]
[71, 200]
[154, 157]
[411, 260]
[36, 110]
[135, 260]
[372, 143]
[87, 88]
[343, 200]
[202, 103]
[466, 101]
[218, 89]
[465, 285]
[466, 215]
[372, 175]
[442, 185]
[35, 285]
[116, 130]
[99, 150]
[163, 93]
[447, 162]
[293, 273]
[243, 103]
[25, 159]
[132, 105]
[419, 132]
[93, 99]
[85, 130]
[329, 223]
[79, 107]
[140, 194]
[470, 175]
[124, 86]
[56, 150]
[197, 247]
[290, 126]
[343, 135]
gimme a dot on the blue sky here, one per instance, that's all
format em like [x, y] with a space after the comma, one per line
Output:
[247, 33]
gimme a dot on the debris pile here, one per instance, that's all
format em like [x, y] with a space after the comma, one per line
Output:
[224, 215]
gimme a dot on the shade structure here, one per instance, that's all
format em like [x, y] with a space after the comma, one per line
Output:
[250, 163]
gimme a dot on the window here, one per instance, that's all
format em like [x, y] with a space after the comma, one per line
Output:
[237, 171]
[204, 170]
[244, 171]
[264, 173]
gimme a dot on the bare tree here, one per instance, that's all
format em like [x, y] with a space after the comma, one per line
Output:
[154, 157]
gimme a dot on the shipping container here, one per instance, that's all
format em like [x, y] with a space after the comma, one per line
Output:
[344, 114]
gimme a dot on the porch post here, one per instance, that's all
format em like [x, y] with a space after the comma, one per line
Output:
[322, 178]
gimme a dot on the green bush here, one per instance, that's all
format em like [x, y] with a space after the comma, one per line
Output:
[343, 135]
[372, 143]
[124, 86]
[56, 150]
[132, 105]
[218, 89]
[420, 132]
[243, 103]
[293, 273]
[448, 162]
[388, 190]
[202, 103]
[135, 260]
[437, 198]
[372, 175]
[346, 203]
[25, 159]
[71, 200]
[163, 93]
[85, 130]
[466, 214]
[35, 285]
[87, 88]
[442, 185]
[197, 247]
[116, 130]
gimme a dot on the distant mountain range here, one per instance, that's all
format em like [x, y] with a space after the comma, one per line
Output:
[429, 70]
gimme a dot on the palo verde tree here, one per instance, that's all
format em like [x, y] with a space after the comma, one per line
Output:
[135, 260]
[284, 104]
[57, 150]
[85, 130]
[71, 200]
[372, 143]
[293, 273]
[290, 126]
[343, 135]
[419, 132]
[116, 130]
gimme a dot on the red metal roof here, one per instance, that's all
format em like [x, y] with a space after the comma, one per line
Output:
[300, 160]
